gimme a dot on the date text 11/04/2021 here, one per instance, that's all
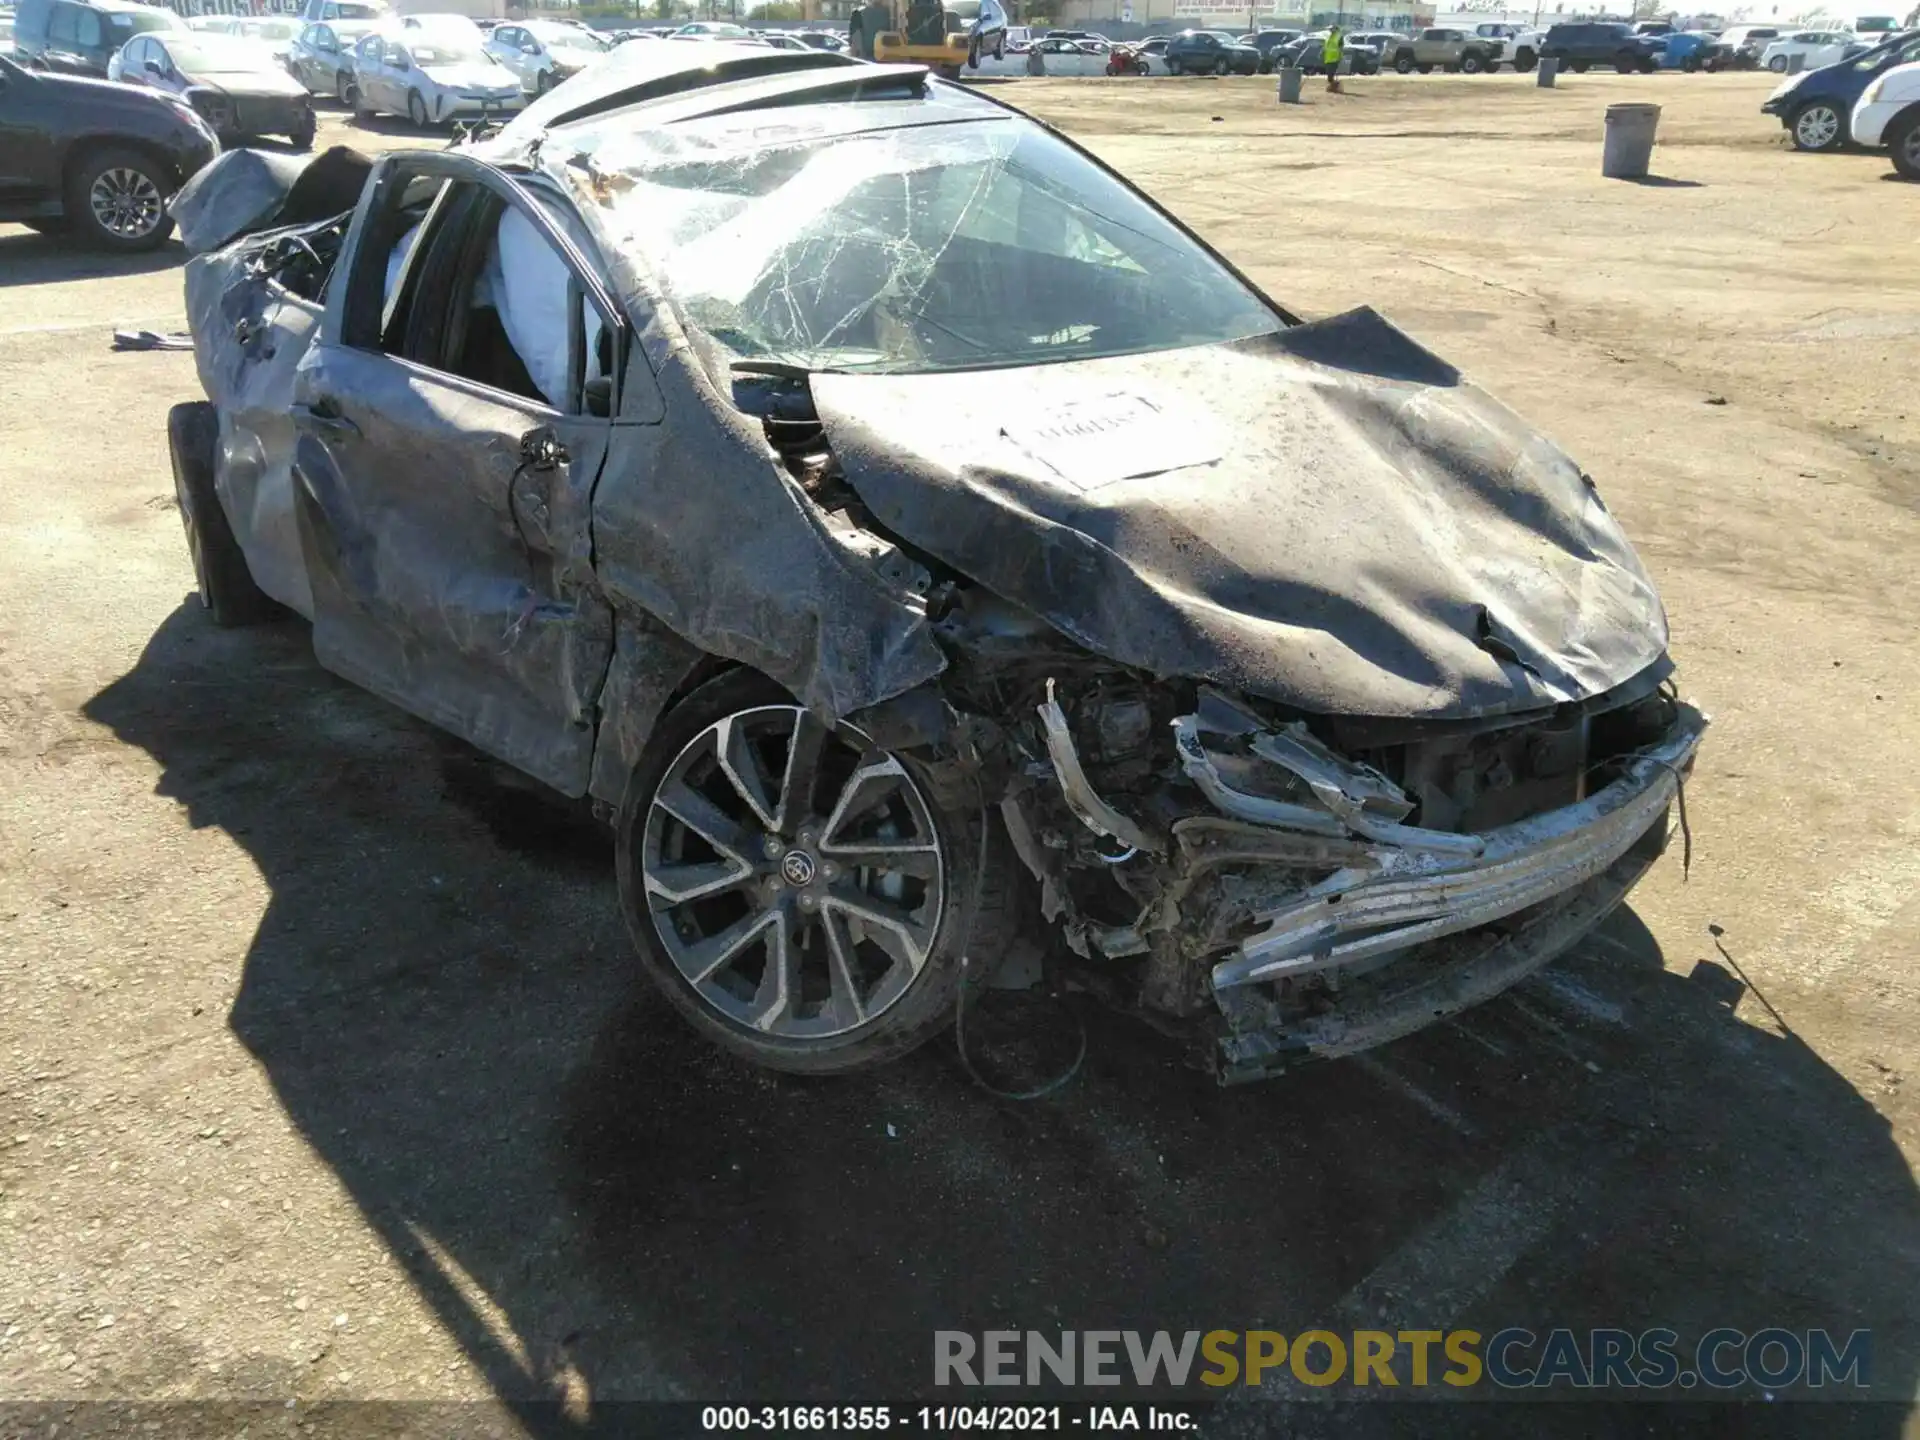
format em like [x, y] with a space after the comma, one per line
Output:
[946, 1419]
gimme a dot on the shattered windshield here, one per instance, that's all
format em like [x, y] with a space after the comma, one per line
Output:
[935, 247]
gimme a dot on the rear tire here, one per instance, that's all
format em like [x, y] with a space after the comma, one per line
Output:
[302, 137]
[1778, 65]
[1524, 60]
[1579, 67]
[1471, 65]
[417, 111]
[1404, 64]
[220, 571]
[806, 1024]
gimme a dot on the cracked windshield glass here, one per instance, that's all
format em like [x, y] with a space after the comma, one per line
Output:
[936, 247]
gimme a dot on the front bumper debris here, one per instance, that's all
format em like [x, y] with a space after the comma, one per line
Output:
[1550, 878]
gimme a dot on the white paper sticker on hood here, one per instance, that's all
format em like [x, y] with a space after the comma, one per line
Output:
[1091, 443]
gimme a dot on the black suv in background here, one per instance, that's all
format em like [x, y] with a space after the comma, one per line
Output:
[1579, 46]
[96, 158]
[79, 37]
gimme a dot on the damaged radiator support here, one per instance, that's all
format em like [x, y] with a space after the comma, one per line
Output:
[1349, 886]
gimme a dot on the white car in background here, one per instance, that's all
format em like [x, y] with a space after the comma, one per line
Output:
[1820, 47]
[1888, 114]
[544, 52]
[433, 69]
[1058, 54]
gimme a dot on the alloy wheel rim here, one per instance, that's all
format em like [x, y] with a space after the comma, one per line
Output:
[126, 203]
[792, 873]
[1817, 127]
[1911, 148]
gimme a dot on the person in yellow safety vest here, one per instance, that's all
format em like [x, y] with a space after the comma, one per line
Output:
[1330, 54]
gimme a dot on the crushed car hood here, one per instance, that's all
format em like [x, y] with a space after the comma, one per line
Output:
[1327, 516]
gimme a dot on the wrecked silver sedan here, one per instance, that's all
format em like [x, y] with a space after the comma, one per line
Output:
[910, 534]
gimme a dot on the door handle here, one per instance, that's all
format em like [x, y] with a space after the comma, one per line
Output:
[325, 414]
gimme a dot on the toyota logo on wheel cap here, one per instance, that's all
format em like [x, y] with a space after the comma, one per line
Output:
[797, 868]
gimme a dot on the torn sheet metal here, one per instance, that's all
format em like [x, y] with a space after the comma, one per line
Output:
[1411, 896]
[1370, 516]
[250, 337]
[244, 191]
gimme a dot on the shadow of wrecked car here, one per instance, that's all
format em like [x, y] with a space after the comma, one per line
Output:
[897, 524]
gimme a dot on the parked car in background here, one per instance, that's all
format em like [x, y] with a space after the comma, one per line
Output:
[1814, 47]
[1816, 106]
[1519, 45]
[714, 30]
[1686, 49]
[1204, 52]
[432, 74]
[543, 52]
[81, 37]
[236, 85]
[276, 32]
[827, 40]
[1888, 114]
[1444, 49]
[95, 159]
[1309, 51]
[1580, 46]
[359, 12]
[1739, 47]
[1268, 41]
[321, 57]
[1058, 56]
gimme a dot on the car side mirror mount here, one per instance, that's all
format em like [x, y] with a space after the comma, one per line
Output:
[153, 68]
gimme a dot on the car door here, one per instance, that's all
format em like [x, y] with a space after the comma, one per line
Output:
[29, 168]
[503, 44]
[370, 73]
[445, 501]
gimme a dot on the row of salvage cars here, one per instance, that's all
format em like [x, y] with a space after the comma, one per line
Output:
[1872, 100]
[659, 446]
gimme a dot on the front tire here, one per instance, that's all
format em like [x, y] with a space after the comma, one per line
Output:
[1524, 61]
[220, 573]
[1818, 125]
[1903, 144]
[416, 110]
[117, 200]
[302, 134]
[1404, 64]
[1471, 65]
[803, 898]
[1778, 65]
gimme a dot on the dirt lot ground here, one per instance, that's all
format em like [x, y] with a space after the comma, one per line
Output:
[323, 1072]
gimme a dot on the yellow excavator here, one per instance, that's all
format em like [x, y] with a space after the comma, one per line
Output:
[946, 37]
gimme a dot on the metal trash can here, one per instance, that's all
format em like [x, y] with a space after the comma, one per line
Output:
[1549, 72]
[1629, 147]
[1796, 63]
[1289, 89]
